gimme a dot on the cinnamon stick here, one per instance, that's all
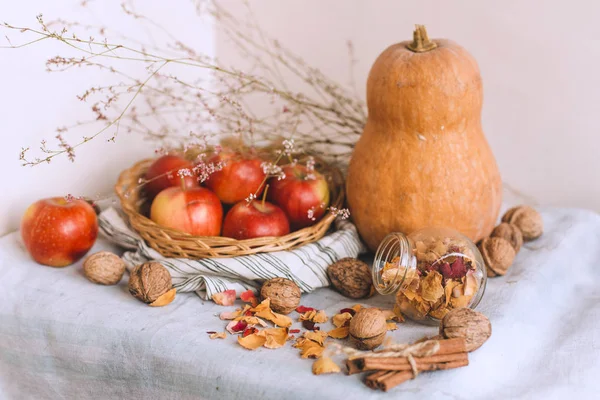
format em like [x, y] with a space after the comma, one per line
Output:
[392, 380]
[446, 347]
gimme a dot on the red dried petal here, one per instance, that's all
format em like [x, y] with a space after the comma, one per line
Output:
[249, 297]
[310, 325]
[294, 330]
[249, 331]
[248, 313]
[348, 310]
[211, 332]
[446, 270]
[302, 309]
[459, 268]
[240, 326]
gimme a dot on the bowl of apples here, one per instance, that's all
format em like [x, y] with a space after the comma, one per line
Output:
[230, 204]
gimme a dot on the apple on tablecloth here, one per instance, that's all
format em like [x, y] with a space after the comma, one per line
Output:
[59, 231]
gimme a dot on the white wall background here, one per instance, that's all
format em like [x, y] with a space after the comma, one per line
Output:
[539, 61]
[34, 103]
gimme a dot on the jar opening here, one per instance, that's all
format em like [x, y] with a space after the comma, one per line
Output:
[392, 263]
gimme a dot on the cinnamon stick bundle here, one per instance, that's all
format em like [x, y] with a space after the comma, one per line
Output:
[450, 350]
[392, 371]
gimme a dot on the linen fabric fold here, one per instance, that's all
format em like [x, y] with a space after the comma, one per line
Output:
[305, 265]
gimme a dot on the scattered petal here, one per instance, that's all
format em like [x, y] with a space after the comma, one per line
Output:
[226, 298]
[325, 365]
[341, 332]
[391, 326]
[219, 335]
[302, 309]
[253, 341]
[164, 299]
[342, 319]
[249, 297]
[228, 315]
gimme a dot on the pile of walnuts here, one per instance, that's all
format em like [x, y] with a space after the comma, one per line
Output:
[519, 224]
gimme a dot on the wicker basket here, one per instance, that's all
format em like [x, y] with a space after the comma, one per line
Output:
[173, 243]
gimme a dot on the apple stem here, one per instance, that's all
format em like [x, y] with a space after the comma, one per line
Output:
[265, 194]
[183, 188]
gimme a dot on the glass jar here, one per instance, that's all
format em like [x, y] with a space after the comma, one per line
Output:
[431, 271]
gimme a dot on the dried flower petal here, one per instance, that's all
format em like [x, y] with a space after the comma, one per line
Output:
[249, 331]
[314, 316]
[431, 287]
[253, 341]
[391, 326]
[228, 315]
[249, 297]
[219, 335]
[308, 348]
[348, 310]
[276, 337]
[263, 310]
[341, 332]
[294, 330]
[356, 307]
[226, 298]
[310, 325]
[316, 336]
[236, 327]
[325, 365]
[303, 309]
[343, 319]
[164, 299]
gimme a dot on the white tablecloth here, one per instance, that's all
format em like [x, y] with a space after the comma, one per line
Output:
[64, 337]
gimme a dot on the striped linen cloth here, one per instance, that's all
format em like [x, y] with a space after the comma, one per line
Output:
[306, 265]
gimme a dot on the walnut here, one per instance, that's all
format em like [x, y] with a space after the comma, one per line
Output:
[528, 220]
[284, 294]
[351, 277]
[149, 281]
[104, 268]
[498, 255]
[466, 323]
[511, 233]
[368, 328]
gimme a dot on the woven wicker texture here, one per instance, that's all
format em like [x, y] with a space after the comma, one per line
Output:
[172, 243]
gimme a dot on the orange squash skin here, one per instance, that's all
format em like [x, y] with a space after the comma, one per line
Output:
[423, 159]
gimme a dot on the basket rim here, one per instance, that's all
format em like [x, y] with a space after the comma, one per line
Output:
[327, 219]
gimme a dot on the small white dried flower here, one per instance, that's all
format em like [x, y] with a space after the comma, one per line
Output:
[342, 213]
[250, 197]
[311, 214]
[184, 172]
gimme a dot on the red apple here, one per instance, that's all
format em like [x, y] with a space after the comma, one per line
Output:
[163, 173]
[59, 231]
[196, 211]
[241, 176]
[301, 191]
[257, 219]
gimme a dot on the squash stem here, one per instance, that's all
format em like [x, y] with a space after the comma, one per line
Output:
[421, 42]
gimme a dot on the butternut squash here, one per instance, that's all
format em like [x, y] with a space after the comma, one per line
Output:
[423, 159]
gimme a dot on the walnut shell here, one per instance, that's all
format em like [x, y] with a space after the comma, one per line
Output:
[498, 255]
[466, 323]
[149, 281]
[104, 268]
[351, 277]
[284, 294]
[511, 233]
[527, 219]
[368, 328]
